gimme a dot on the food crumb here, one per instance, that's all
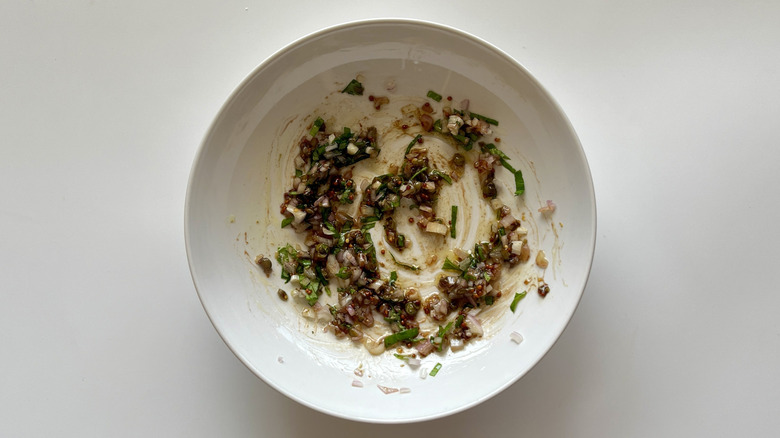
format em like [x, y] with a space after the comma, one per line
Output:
[280, 359]
[387, 390]
[405, 390]
[232, 218]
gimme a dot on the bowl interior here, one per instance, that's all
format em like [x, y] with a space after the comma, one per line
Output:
[245, 164]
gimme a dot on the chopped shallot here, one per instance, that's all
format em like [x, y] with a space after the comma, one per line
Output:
[517, 337]
[549, 208]
[386, 389]
[423, 373]
[413, 362]
[357, 383]
[405, 390]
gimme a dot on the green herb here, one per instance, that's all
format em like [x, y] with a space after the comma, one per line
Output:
[519, 183]
[312, 297]
[402, 357]
[442, 175]
[343, 273]
[315, 127]
[434, 95]
[417, 173]
[443, 330]
[400, 241]
[437, 125]
[459, 321]
[411, 145]
[401, 336]
[393, 278]
[354, 88]
[503, 158]
[518, 296]
[495, 151]
[435, 370]
[489, 300]
[450, 266]
[453, 220]
[486, 119]
[298, 173]
[404, 265]
[287, 221]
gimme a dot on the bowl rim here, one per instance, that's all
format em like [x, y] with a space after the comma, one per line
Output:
[386, 21]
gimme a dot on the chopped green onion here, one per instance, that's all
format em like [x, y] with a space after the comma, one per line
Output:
[400, 241]
[442, 175]
[401, 336]
[312, 297]
[443, 330]
[453, 220]
[493, 122]
[404, 265]
[417, 173]
[503, 158]
[518, 296]
[435, 96]
[449, 266]
[489, 300]
[411, 145]
[435, 370]
[315, 127]
[327, 290]
[287, 221]
[506, 165]
[343, 273]
[354, 88]
[495, 151]
[437, 125]
[401, 356]
[519, 183]
[393, 277]
[298, 173]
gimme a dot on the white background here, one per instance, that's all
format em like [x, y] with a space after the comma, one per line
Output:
[103, 105]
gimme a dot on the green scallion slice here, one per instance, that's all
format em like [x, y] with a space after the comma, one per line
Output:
[411, 145]
[401, 336]
[493, 122]
[518, 296]
[435, 96]
[450, 266]
[355, 88]
[287, 221]
[435, 370]
[315, 127]
[453, 220]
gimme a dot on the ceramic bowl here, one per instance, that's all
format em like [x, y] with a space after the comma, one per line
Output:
[246, 163]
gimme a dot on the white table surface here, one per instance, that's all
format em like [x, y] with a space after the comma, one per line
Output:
[104, 103]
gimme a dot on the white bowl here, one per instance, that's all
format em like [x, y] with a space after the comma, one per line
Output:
[245, 162]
